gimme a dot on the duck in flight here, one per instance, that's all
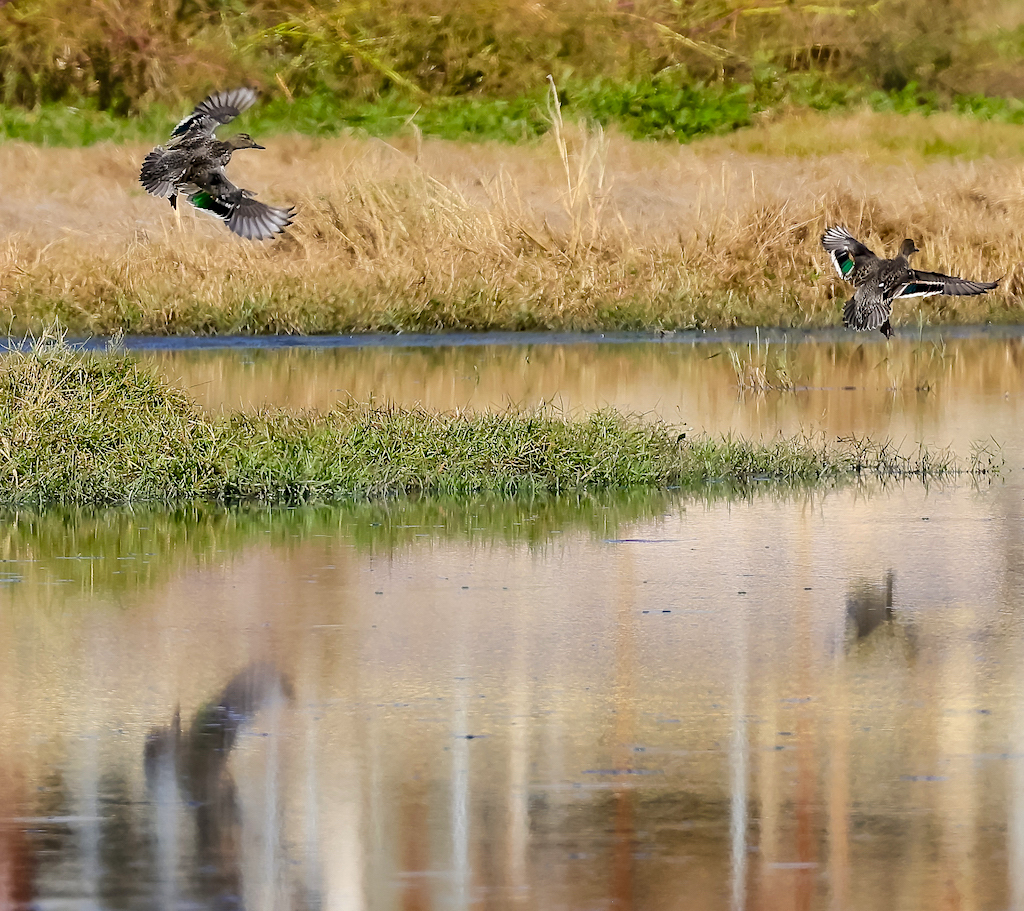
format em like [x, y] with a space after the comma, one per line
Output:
[192, 162]
[878, 282]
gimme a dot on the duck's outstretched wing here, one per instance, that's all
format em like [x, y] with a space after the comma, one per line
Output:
[865, 312]
[219, 108]
[927, 284]
[258, 221]
[162, 169]
[244, 215]
[845, 251]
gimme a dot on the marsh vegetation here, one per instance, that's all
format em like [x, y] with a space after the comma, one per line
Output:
[584, 230]
[656, 67]
[851, 114]
[100, 429]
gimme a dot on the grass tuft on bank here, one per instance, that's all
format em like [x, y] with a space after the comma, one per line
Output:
[79, 429]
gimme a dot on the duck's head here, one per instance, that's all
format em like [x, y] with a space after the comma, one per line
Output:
[908, 247]
[244, 141]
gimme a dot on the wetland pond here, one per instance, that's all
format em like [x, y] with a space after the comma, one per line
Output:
[807, 698]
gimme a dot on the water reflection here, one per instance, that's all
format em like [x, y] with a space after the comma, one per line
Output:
[799, 699]
[556, 704]
[869, 605]
[933, 389]
[17, 857]
[190, 768]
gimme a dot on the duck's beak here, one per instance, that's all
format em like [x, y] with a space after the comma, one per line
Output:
[256, 145]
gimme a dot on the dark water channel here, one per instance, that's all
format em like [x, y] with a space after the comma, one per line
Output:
[798, 700]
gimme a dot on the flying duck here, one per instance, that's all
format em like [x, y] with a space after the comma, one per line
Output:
[192, 162]
[878, 282]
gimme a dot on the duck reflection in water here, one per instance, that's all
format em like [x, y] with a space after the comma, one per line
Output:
[193, 763]
[869, 607]
[869, 604]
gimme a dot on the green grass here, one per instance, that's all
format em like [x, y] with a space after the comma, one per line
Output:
[100, 429]
[649, 109]
[323, 114]
[668, 106]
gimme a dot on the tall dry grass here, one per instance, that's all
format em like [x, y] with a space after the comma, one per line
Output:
[583, 231]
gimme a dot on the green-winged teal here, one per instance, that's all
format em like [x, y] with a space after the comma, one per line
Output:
[878, 282]
[192, 162]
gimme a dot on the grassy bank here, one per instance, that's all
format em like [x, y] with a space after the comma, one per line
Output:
[583, 227]
[583, 230]
[99, 429]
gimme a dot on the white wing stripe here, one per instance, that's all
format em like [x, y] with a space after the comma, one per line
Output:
[931, 292]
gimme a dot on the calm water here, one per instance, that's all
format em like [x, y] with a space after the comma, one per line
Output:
[939, 391]
[808, 700]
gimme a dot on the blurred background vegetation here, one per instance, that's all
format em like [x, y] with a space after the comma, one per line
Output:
[76, 71]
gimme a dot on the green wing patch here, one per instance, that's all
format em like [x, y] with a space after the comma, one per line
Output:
[920, 289]
[202, 200]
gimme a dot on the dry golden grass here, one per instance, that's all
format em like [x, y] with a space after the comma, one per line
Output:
[580, 231]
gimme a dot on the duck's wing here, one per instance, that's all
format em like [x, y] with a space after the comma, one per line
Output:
[927, 284]
[162, 169]
[845, 251]
[258, 221]
[866, 311]
[244, 215]
[212, 192]
[219, 108]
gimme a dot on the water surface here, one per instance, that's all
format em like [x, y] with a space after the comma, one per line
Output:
[803, 699]
[937, 389]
